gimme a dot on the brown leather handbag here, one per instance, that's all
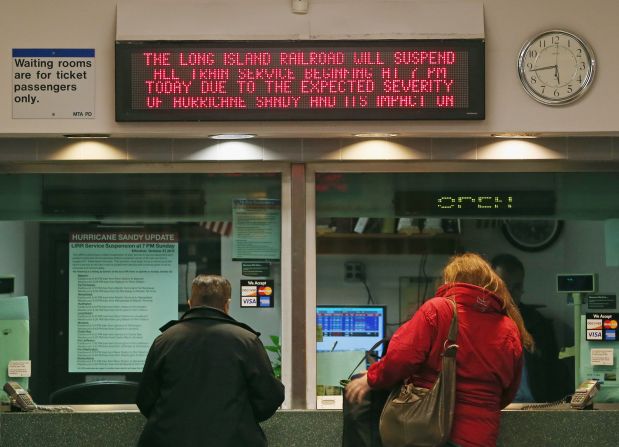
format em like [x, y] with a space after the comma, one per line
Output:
[421, 417]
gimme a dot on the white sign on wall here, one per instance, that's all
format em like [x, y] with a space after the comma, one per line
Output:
[54, 83]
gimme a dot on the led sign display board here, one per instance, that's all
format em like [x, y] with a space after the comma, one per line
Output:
[300, 80]
[474, 203]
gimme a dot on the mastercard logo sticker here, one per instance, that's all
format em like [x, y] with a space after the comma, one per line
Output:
[265, 290]
[610, 324]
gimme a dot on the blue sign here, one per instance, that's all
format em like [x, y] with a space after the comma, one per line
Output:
[611, 335]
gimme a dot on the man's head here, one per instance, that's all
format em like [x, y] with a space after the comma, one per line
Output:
[210, 290]
[511, 270]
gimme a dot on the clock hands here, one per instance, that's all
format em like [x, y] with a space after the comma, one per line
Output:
[548, 67]
[545, 68]
[557, 63]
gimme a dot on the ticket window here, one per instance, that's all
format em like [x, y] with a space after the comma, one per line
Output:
[383, 238]
[107, 259]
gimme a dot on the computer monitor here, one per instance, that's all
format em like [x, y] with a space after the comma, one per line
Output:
[350, 328]
[14, 338]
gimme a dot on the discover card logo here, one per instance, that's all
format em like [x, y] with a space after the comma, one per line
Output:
[594, 324]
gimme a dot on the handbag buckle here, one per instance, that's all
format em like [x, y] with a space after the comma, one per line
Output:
[450, 350]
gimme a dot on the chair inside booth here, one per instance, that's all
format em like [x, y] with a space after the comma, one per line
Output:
[97, 392]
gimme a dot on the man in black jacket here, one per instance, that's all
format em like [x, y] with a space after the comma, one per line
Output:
[207, 379]
[544, 378]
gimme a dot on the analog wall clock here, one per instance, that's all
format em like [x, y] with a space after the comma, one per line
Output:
[532, 235]
[556, 67]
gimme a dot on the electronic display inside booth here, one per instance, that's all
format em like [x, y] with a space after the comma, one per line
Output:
[300, 80]
[350, 328]
[488, 202]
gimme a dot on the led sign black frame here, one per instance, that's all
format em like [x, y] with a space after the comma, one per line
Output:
[474, 203]
[347, 80]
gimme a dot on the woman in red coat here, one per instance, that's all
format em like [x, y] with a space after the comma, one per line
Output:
[491, 336]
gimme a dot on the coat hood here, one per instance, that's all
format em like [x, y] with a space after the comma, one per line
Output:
[469, 295]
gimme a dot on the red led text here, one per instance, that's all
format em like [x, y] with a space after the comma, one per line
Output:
[302, 79]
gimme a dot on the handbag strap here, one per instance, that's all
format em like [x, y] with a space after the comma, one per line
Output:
[450, 347]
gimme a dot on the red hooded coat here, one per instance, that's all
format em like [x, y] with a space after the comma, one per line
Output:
[488, 362]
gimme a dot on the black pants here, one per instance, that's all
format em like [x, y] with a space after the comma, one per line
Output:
[361, 420]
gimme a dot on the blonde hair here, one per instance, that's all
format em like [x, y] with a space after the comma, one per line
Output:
[471, 268]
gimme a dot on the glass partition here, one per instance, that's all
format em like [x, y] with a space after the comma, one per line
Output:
[383, 238]
[107, 259]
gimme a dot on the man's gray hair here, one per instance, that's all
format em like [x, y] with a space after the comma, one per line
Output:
[210, 290]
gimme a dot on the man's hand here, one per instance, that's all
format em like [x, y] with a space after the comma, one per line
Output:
[357, 389]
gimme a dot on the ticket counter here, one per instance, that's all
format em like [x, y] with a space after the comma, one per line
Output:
[121, 425]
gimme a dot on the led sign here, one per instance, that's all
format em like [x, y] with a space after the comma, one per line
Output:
[302, 80]
[474, 203]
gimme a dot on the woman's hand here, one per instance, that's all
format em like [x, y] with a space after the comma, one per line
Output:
[357, 389]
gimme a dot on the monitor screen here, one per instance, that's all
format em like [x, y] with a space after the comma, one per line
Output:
[350, 328]
[575, 283]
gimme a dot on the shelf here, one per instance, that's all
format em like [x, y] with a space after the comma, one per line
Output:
[388, 244]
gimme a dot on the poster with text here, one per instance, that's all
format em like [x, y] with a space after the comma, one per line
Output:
[123, 287]
[256, 225]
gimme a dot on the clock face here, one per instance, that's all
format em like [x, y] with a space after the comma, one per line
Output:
[532, 235]
[556, 67]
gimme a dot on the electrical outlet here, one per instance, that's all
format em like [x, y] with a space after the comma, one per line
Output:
[354, 271]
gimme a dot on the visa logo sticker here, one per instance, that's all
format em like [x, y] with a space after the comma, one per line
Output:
[249, 301]
[611, 335]
[594, 335]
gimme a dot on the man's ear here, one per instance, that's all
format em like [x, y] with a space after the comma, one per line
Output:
[189, 302]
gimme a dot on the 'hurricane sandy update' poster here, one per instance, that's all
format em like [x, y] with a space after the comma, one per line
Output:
[123, 286]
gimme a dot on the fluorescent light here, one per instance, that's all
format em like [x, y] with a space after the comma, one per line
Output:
[514, 135]
[86, 136]
[232, 136]
[375, 135]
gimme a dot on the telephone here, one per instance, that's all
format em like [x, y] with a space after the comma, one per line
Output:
[19, 397]
[584, 394]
